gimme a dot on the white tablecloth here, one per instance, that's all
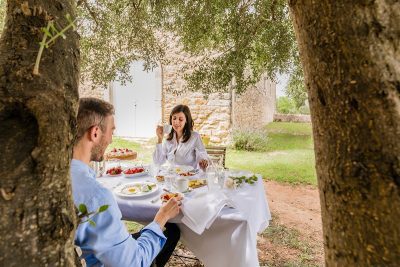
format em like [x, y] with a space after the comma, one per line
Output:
[232, 238]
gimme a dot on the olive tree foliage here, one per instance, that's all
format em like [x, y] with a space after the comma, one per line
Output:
[249, 38]
[115, 33]
[296, 89]
[237, 40]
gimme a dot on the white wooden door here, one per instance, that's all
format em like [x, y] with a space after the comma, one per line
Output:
[138, 103]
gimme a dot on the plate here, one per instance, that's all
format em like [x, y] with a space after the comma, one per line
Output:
[196, 183]
[136, 174]
[114, 175]
[145, 172]
[135, 189]
[183, 168]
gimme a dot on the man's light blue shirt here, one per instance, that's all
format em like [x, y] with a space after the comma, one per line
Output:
[109, 243]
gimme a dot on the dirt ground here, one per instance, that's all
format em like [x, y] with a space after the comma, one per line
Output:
[294, 237]
[296, 208]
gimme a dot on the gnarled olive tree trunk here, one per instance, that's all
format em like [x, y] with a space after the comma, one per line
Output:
[350, 52]
[37, 121]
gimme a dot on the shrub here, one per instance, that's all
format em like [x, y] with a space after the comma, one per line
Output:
[250, 140]
[286, 105]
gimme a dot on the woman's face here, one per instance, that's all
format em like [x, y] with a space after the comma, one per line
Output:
[178, 122]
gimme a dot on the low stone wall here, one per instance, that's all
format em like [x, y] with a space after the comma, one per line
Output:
[292, 117]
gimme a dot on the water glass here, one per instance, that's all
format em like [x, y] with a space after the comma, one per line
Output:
[221, 178]
[168, 181]
[212, 178]
[154, 169]
[98, 167]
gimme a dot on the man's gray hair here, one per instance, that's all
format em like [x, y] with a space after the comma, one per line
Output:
[92, 112]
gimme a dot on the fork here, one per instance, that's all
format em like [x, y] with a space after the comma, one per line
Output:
[117, 185]
[154, 200]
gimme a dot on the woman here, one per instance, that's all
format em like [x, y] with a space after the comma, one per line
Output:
[183, 146]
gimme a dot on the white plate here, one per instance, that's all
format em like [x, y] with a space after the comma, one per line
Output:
[145, 172]
[114, 175]
[183, 168]
[134, 189]
[136, 174]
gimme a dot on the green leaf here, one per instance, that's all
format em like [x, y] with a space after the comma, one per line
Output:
[82, 208]
[47, 32]
[53, 29]
[92, 223]
[103, 208]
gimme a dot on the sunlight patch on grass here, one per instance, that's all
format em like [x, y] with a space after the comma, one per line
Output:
[294, 166]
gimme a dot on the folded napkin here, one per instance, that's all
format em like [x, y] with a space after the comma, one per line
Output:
[201, 211]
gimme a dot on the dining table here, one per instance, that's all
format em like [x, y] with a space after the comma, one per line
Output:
[231, 239]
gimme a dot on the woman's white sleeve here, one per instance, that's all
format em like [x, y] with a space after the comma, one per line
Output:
[201, 152]
[160, 154]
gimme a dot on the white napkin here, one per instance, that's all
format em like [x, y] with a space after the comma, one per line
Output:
[201, 211]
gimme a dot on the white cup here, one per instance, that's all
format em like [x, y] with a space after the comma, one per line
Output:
[167, 128]
[182, 184]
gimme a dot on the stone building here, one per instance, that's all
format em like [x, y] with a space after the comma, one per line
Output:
[142, 104]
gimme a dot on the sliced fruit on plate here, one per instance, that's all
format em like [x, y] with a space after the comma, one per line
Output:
[114, 171]
[134, 170]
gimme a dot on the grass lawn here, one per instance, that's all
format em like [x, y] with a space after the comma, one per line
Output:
[289, 156]
[293, 166]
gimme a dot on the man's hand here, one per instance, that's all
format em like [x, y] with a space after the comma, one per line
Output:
[168, 210]
[159, 132]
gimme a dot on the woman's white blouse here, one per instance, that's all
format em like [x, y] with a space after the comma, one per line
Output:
[188, 153]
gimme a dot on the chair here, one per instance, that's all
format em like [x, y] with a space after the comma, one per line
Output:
[217, 154]
[78, 260]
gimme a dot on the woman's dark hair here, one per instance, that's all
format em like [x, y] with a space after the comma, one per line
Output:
[187, 130]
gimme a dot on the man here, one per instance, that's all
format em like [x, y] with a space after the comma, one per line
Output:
[108, 243]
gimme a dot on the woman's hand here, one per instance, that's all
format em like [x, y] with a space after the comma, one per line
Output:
[203, 164]
[159, 132]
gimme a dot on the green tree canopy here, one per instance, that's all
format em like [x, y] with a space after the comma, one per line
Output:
[295, 88]
[238, 40]
[241, 39]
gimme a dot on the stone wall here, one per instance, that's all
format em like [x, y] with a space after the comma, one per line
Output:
[256, 107]
[212, 117]
[292, 117]
[87, 90]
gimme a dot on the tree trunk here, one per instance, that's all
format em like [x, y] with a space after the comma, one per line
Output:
[37, 122]
[350, 53]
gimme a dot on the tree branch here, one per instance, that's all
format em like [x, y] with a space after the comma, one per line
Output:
[92, 14]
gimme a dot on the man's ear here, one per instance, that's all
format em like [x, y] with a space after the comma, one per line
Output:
[94, 133]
